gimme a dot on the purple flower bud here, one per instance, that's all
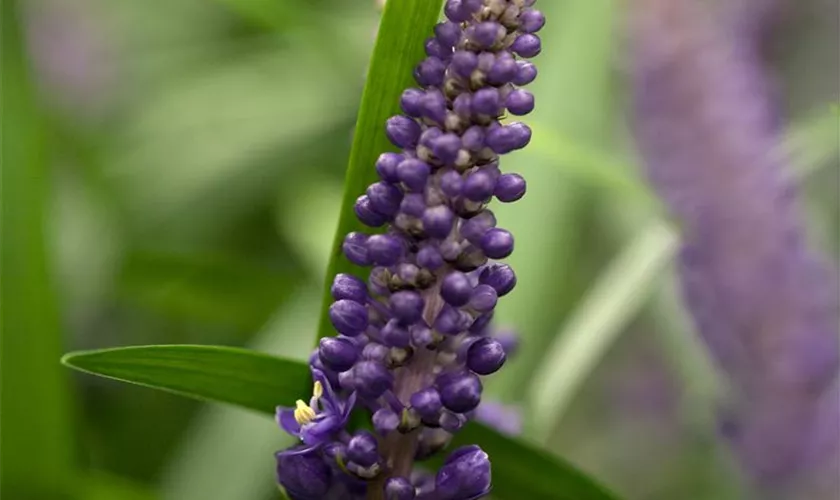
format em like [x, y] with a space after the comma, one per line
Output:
[526, 45]
[500, 276]
[385, 198]
[531, 21]
[485, 356]
[407, 306]
[434, 106]
[430, 72]
[462, 106]
[371, 379]
[461, 393]
[448, 34]
[302, 475]
[504, 70]
[473, 138]
[497, 243]
[385, 420]
[426, 402]
[410, 103]
[509, 188]
[485, 35]
[429, 257]
[474, 229]
[456, 289]
[435, 49]
[520, 102]
[399, 488]
[413, 173]
[384, 250]
[525, 74]
[348, 317]
[421, 336]
[386, 166]
[464, 476]
[366, 213]
[355, 248]
[484, 298]
[479, 326]
[507, 138]
[363, 449]
[402, 131]
[347, 286]
[337, 353]
[413, 204]
[455, 11]
[395, 335]
[479, 186]
[438, 221]
[375, 352]
[463, 63]
[452, 321]
[446, 148]
[452, 422]
[486, 101]
[451, 183]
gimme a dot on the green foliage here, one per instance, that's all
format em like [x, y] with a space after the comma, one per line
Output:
[237, 376]
[37, 451]
[399, 46]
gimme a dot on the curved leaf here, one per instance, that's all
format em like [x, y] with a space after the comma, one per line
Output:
[240, 377]
[399, 48]
[524, 471]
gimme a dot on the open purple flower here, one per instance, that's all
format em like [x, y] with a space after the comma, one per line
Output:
[317, 422]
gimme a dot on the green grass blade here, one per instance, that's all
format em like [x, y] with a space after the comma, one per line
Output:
[522, 471]
[616, 297]
[241, 377]
[399, 48]
[36, 425]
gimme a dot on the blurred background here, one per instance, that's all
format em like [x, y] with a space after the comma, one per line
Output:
[195, 154]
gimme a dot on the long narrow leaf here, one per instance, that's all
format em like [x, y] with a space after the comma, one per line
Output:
[37, 450]
[399, 47]
[240, 377]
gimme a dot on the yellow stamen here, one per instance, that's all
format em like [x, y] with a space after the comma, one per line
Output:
[318, 390]
[303, 412]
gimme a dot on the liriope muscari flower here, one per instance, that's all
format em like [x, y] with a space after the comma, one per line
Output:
[415, 338]
[765, 304]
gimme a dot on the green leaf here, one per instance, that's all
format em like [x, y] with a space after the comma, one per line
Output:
[36, 425]
[616, 297]
[399, 48]
[524, 471]
[229, 375]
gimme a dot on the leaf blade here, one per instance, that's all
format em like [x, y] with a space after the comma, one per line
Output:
[524, 471]
[399, 47]
[241, 377]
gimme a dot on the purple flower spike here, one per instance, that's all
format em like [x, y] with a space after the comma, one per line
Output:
[465, 476]
[402, 131]
[486, 356]
[399, 488]
[416, 334]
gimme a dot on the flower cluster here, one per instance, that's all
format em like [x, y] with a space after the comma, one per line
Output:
[415, 338]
